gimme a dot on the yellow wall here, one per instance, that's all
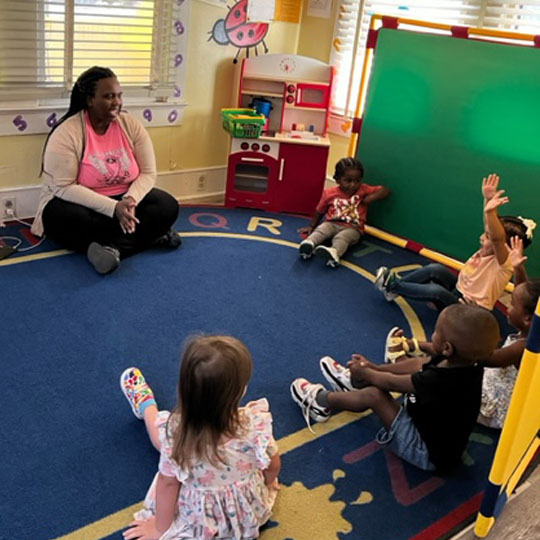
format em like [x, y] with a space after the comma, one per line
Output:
[199, 141]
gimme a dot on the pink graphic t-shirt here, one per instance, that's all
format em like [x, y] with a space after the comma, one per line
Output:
[108, 166]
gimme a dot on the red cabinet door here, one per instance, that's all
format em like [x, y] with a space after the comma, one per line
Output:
[301, 177]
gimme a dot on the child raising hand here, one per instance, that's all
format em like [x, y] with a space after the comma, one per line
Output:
[219, 462]
[484, 275]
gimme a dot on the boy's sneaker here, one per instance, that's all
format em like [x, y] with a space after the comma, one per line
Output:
[136, 390]
[338, 376]
[306, 249]
[380, 277]
[329, 254]
[304, 393]
[384, 279]
[104, 259]
[171, 239]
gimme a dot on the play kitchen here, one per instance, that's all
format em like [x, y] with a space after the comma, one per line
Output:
[279, 145]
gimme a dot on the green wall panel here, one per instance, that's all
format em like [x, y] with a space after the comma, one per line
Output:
[440, 114]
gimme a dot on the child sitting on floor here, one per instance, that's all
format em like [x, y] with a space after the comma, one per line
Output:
[485, 274]
[432, 427]
[345, 209]
[219, 462]
[500, 377]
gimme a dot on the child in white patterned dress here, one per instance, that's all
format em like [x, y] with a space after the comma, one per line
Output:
[219, 462]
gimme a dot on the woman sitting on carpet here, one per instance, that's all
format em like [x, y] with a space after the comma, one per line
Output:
[99, 170]
[219, 462]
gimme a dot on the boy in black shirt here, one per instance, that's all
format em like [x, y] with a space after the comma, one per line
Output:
[432, 427]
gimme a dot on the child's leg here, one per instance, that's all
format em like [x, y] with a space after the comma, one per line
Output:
[142, 401]
[149, 416]
[434, 272]
[371, 397]
[345, 238]
[324, 231]
[433, 282]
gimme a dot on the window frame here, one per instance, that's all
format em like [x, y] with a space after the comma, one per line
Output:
[160, 84]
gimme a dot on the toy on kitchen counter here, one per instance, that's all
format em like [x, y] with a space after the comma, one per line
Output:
[243, 122]
[299, 132]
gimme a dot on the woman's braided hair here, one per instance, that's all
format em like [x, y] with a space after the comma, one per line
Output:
[84, 88]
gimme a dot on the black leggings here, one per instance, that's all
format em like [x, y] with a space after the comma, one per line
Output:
[75, 226]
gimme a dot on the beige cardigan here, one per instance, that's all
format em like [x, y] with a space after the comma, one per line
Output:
[61, 167]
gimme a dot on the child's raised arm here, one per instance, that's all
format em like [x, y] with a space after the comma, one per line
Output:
[490, 186]
[494, 227]
[517, 259]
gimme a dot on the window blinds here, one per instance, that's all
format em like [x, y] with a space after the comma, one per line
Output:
[48, 43]
[352, 24]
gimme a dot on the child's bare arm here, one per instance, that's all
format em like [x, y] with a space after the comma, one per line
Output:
[517, 259]
[272, 471]
[381, 193]
[167, 490]
[317, 216]
[358, 364]
[494, 227]
[507, 356]
[490, 186]
[391, 382]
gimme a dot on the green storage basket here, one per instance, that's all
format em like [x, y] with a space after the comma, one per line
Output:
[243, 122]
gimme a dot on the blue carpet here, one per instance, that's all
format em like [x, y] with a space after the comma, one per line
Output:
[72, 451]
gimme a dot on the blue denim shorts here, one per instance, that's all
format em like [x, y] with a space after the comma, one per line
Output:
[405, 441]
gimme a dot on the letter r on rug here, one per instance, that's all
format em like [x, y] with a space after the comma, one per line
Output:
[267, 223]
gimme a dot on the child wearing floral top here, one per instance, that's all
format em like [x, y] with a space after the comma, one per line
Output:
[218, 467]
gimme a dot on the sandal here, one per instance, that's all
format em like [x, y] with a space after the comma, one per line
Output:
[390, 357]
[392, 341]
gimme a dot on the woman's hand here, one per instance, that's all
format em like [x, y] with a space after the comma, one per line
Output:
[142, 529]
[125, 213]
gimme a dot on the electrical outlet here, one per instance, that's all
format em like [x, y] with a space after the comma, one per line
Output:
[8, 207]
[201, 183]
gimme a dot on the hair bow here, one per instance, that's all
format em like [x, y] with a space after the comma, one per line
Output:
[530, 225]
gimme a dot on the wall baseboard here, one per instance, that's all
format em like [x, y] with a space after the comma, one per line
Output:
[186, 185]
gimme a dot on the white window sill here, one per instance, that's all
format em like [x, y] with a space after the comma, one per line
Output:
[25, 118]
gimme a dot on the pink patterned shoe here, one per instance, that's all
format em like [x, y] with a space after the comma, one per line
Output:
[136, 390]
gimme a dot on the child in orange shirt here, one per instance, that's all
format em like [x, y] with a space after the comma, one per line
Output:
[485, 274]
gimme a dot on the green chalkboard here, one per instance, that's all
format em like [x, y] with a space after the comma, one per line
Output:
[441, 113]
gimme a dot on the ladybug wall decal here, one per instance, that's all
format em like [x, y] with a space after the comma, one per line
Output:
[235, 29]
